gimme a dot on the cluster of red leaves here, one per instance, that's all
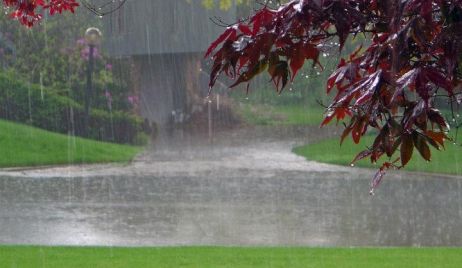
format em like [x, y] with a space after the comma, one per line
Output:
[391, 85]
[28, 12]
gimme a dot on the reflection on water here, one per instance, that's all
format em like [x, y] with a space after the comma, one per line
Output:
[252, 192]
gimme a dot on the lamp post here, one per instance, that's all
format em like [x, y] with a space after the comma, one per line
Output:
[93, 38]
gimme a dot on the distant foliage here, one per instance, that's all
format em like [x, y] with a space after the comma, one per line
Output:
[222, 4]
[391, 85]
[30, 104]
[57, 60]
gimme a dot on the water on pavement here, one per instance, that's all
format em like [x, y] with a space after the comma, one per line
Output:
[247, 188]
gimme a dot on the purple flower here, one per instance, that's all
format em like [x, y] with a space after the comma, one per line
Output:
[85, 53]
[133, 100]
[109, 67]
[81, 42]
[108, 96]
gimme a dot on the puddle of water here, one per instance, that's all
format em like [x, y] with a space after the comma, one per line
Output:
[236, 192]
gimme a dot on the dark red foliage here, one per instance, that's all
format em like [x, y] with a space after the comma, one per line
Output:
[390, 86]
[28, 11]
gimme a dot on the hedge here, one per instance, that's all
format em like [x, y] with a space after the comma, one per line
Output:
[30, 104]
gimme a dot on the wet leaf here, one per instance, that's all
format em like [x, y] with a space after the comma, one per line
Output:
[438, 137]
[362, 155]
[247, 76]
[297, 59]
[407, 146]
[220, 40]
[422, 146]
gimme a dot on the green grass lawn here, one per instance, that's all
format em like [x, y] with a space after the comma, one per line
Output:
[330, 151]
[204, 257]
[259, 114]
[22, 145]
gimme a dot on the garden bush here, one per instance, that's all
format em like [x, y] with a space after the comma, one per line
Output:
[37, 106]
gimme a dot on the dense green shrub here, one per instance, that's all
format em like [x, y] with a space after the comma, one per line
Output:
[58, 59]
[37, 106]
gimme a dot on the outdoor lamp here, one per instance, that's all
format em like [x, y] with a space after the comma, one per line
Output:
[93, 36]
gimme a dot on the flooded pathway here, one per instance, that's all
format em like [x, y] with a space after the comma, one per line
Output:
[247, 188]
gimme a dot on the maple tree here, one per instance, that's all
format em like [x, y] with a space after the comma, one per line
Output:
[390, 85]
[29, 12]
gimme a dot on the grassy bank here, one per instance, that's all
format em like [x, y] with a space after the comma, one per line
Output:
[271, 115]
[25, 257]
[22, 145]
[446, 161]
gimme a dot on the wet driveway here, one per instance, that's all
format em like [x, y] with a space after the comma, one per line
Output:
[238, 191]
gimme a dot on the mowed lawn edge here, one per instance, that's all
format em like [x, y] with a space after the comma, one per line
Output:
[236, 257]
[445, 161]
[23, 145]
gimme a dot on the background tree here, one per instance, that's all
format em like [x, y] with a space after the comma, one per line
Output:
[391, 85]
[53, 58]
[57, 59]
